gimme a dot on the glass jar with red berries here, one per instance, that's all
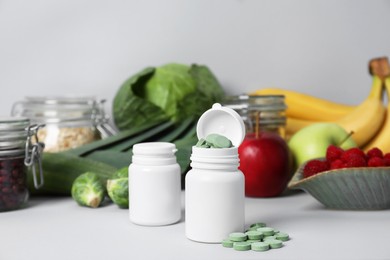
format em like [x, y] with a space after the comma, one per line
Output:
[17, 152]
[261, 113]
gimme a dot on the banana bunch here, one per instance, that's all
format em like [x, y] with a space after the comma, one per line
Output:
[365, 121]
[382, 138]
[302, 106]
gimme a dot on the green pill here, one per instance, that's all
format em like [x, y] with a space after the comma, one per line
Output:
[274, 243]
[210, 139]
[260, 246]
[254, 234]
[222, 142]
[201, 142]
[269, 238]
[267, 231]
[242, 246]
[253, 240]
[258, 225]
[237, 237]
[218, 141]
[227, 243]
[282, 236]
[251, 229]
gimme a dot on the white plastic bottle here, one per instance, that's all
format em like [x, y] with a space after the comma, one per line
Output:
[154, 185]
[214, 195]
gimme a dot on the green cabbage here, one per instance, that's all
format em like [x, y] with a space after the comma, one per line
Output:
[169, 92]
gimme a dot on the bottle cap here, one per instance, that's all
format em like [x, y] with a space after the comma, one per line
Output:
[224, 121]
[154, 149]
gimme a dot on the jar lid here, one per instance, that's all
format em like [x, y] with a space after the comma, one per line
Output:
[13, 123]
[224, 121]
[57, 109]
[13, 133]
[256, 102]
[12, 152]
[61, 100]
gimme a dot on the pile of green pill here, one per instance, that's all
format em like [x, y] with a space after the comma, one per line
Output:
[258, 237]
[214, 141]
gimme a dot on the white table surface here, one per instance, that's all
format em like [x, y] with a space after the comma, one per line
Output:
[57, 228]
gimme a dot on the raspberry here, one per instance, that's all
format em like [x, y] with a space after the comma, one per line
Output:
[387, 161]
[337, 164]
[333, 153]
[386, 158]
[355, 160]
[374, 152]
[376, 162]
[351, 153]
[315, 166]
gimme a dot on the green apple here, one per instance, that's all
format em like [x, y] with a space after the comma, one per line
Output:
[312, 141]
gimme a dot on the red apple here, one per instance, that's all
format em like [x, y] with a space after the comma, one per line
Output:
[265, 162]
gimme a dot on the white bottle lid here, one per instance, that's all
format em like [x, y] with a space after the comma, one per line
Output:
[154, 148]
[224, 121]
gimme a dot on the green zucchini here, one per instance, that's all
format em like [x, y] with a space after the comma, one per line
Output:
[113, 158]
[142, 137]
[119, 138]
[61, 169]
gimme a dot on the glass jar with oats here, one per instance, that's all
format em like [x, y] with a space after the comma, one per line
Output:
[70, 122]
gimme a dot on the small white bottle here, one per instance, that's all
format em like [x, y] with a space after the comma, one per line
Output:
[154, 185]
[215, 188]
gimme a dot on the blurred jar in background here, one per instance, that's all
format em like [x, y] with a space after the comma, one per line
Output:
[70, 121]
[265, 112]
[17, 152]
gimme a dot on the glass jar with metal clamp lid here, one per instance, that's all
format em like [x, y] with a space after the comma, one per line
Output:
[264, 113]
[17, 152]
[70, 121]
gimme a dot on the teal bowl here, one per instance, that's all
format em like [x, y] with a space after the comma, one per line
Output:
[365, 188]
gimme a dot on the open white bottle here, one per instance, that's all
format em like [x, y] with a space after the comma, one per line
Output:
[215, 195]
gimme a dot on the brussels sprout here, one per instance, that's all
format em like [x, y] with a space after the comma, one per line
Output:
[121, 173]
[118, 191]
[88, 190]
[118, 188]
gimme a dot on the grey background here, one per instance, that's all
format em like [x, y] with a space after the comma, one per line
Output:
[90, 47]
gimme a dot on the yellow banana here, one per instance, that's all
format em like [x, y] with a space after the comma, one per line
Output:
[364, 121]
[382, 138]
[293, 125]
[307, 107]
